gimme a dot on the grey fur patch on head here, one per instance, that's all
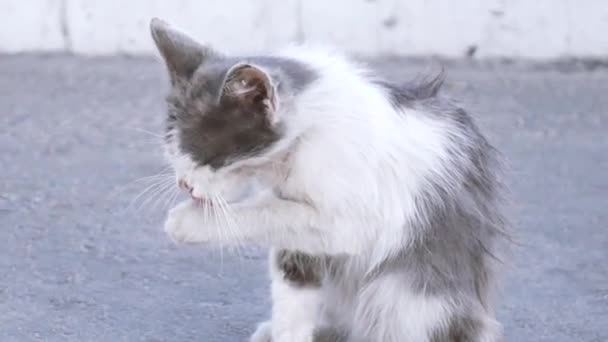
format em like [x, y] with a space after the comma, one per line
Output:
[222, 109]
[301, 270]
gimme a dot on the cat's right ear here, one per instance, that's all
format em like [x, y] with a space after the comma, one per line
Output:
[182, 54]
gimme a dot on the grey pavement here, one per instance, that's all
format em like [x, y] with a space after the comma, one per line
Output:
[83, 259]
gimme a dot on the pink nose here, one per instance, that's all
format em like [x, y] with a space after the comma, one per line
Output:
[189, 189]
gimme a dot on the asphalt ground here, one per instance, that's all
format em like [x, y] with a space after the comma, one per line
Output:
[82, 258]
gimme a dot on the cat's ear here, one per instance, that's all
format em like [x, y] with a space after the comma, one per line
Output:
[252, 86]
[182, 54]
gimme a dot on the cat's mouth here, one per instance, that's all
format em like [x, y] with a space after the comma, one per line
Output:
[201, 201]
[198, 201]
[246, 193]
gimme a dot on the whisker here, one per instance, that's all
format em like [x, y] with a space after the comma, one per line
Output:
[142, 130]
[150, 142]
[154, 194]
[209, 209]
[159, 175]
[171, 199]
[162, 196]
[149, 188]
[230, 225]
[122, 188]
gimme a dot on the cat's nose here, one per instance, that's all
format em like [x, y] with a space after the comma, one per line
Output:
[200, 199]
[182, 184]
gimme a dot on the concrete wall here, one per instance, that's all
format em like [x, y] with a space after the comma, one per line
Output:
[493, 28]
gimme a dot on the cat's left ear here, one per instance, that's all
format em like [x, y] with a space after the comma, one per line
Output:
[182, 54]
[253, 87]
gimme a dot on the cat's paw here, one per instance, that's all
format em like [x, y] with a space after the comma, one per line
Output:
[175, 226]
[263, 333]
[184, 224]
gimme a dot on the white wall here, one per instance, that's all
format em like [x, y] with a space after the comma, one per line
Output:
[497, 28]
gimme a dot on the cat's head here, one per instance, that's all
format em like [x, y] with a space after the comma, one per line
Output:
[226, 129]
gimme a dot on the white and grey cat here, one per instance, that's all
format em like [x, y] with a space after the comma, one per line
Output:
[380, 202]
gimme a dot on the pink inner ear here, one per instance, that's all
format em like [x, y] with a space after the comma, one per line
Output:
[251, 84]
[255, 79]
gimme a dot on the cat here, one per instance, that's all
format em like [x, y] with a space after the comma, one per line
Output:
[381, 203]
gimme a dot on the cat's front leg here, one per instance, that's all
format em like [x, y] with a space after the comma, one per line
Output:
[189, 223]
[296, 294]
[273, 222]
[288, 224]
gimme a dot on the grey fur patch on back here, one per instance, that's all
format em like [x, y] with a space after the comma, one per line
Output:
[459, 232]
[327, 334]
[459, 329]
[300, 269]
[404, 94]
[456, 248]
